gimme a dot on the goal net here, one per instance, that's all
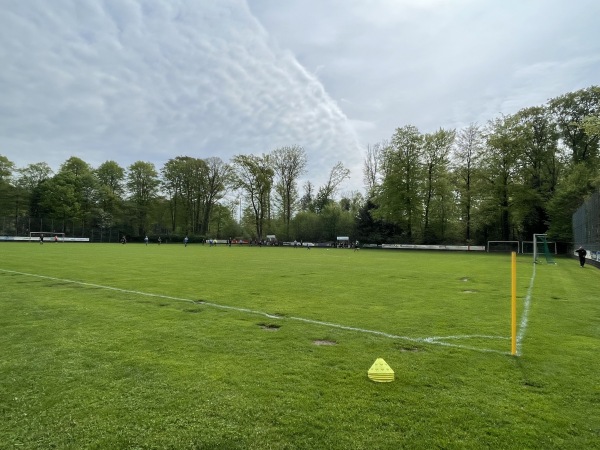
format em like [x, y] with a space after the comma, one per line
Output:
[34, 236]
[503, 246]
[542, 248]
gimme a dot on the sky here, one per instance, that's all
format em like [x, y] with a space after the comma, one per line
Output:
[149, 80]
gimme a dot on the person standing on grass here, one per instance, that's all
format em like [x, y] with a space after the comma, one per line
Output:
[581, 252]
[41, 238]
[185, 241]
[146, 240]
[159, 240]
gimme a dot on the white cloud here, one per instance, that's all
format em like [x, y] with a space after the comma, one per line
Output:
[438, 63]
[131, 80]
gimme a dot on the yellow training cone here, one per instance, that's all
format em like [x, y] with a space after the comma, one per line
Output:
[381, 372]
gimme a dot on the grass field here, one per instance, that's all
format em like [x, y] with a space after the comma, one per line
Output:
[108, 346]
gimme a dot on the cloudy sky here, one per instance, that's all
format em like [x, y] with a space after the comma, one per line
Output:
[130, 80]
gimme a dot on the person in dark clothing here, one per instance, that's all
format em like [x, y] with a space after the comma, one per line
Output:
[581, 252]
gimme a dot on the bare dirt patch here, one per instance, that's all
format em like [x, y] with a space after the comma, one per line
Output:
[409, 349]
[269, 326]
[324, 342]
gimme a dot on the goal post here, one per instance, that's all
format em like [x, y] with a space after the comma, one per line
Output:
[503, 246]
[34, 236]
[541, 246]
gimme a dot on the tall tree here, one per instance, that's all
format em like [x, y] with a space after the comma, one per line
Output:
[85, 185]
[111, 191]
[436, 150]
[372, 166]
[466, 159]
[29, 181]
[218, 179]
[501, 172]
[289, 163]
[539, 168]
[142, 183]
[193, 190]
[399, 196]
[172, 180]
[59, 199]
[254, 175]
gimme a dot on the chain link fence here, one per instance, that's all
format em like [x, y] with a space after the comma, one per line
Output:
[586, 227]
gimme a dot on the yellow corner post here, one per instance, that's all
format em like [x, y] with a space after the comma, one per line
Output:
[514, 304]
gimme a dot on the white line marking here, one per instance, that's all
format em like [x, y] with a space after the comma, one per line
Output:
[435, 340]
[525, 314]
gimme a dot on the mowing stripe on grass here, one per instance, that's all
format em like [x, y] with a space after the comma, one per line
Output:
[436, 340]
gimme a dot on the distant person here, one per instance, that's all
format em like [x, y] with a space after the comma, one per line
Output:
[159, 240]
[41, 239]
[146, 240]
[185, 241]
[123, 240]
[55, 238]
[356, 246]
[581, 252]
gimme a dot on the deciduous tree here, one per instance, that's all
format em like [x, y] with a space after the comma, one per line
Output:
[289, 163]
[466, 160]
[254, 175]
[399, 196]
[436, 189]
[142, 184]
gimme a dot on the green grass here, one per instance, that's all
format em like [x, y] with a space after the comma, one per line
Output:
[184, 351]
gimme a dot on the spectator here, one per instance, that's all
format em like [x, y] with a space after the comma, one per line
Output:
[582, 252]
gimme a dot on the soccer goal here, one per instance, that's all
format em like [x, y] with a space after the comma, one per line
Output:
[503, 246]
[34, 236]
[540, 246]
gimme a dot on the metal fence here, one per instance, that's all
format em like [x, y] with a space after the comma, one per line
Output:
[586, 226]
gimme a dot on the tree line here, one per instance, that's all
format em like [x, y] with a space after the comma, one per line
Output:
[186, 196]
[516, 175]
